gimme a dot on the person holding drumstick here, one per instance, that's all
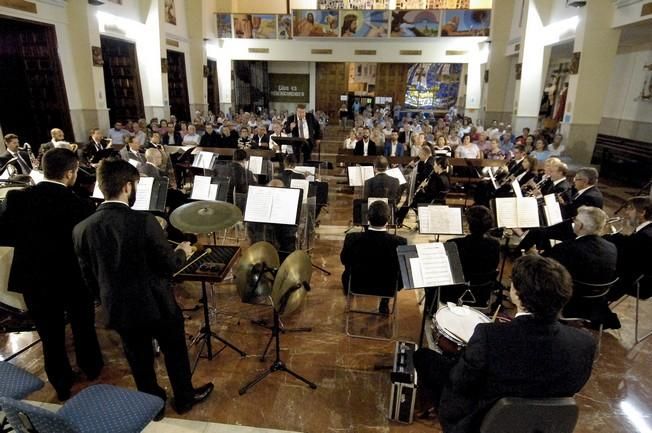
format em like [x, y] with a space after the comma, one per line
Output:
[533, 356]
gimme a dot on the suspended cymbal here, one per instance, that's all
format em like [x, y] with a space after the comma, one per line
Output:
[253, 283]
[205, 216]
[286, 293]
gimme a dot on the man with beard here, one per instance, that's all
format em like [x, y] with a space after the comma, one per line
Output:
[126, 259]
[366, 146]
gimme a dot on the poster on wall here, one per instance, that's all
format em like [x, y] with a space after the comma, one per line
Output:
[433, 85]
[224, 29]
[289, 87]
[364, 24]
[466, 22]
[314, 23]
[284, 27]
[170, 12]
[254, 26]
[415, 24]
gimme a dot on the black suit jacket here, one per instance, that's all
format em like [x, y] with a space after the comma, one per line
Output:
[230, 141]
[382, 185]
[590, 197]
[525, 358]
[38, 223]
[313, 127]
[90, 151]
[6, 157]
[590, 259]
[125, 257]
[257, 141]
[210, 140]
[479, 254]
[633, 255]
[370, 258]
[149, 170]
[562, 188]
[239, 180]
[359, 148]
[165, 138]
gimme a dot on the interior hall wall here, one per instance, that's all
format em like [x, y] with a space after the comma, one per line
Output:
[625, 113]
[302, 68]
[332, 79]
[391, 79]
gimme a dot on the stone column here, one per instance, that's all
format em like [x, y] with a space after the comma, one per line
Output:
[499, 65]
[197, 59]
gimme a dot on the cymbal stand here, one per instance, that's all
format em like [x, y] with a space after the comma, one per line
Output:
[205, 335]
[278, 364]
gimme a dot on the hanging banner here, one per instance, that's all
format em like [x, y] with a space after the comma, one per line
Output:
[289, 87]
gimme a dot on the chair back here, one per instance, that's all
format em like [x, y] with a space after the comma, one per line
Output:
[27, 418]
[16, 382]
[524, 415]
[592, 291]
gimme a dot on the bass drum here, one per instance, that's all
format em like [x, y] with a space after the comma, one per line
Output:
[9, 301]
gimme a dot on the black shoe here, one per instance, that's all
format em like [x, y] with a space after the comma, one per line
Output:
[63, 394]
[199, 395]
[383, 307]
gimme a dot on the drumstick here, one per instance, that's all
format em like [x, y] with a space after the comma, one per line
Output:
[173, 242]
[493, 318]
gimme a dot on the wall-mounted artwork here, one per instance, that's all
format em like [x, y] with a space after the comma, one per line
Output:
[315, 23]
[254, 26]
[284, 26]
[170, 12]
[433, 85]
[575, 63]
[364, 24]
[448, 4]
[224, 29]
[415, 24]
[466, 22]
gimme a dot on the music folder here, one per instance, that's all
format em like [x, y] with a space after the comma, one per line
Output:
[440, 220]
[397, 174]
[513, 212]
[359, 174]
[151, 194]
[432, 264]
[552, 210]
[271, 205]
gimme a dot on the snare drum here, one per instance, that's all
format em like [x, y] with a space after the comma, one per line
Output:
[453, 326]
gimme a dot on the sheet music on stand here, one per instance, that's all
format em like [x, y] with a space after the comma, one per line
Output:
[397, 174]
[430, 265]
[513, 212]
[204, 160]
[307, 171]
[151, 194]
[255, 164]
[204, 189]
[273, 205]
[517, 189]
[303, 185]
[440, 220]
[359, 174]
[37, 176]
[552, 210]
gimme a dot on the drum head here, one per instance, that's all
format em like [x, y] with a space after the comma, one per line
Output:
[458, 323]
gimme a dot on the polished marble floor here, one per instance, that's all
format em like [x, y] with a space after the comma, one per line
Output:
[353, 392]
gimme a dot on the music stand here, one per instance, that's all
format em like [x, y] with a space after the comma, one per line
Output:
[407, 252]
[296, 143]
[445, 221]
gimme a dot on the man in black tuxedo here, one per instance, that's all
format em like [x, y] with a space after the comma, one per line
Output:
[92, 149]
[306, 126]
[366, 146]
[556, 182]
[38, 222]
[127, 261]
[589, 259]
[382, 185]
[210, 138]
[370, 259]
[18, 159]
[584, 193]
[533, 356]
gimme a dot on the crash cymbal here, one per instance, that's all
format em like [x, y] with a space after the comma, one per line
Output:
[253, 283]
[205, 216]
[286, 293]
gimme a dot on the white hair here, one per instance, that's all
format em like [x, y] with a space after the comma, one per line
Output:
[593, 219]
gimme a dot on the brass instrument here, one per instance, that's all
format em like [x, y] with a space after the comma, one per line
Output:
[533, 188]
[614, 225]
[32, 159]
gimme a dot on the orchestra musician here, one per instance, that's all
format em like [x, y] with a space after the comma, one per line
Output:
[132, 150]
[240, 177]
[382, 185]
[555, 182]
[553, 360]
[288, 173]
[15, 157]
[45, 268]
[127, 261]
[94, 147]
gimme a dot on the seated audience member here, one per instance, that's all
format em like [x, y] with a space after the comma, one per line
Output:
[370, 259]
[261, 139]
[365, 147]
[191, 138]
[540, 151]
[117, 134]
[151, 168]
[478, 252]
[244, 141]
[240, 177]
[229, 138]
[589, 259]
[132, 151]
[468, 149]
[441, 147]
[382, 185]
[138, 134]
[126, 260]
[277, 132]
[494, 151]
[584, 193]
[634, 250]
[171, 137]
[210, 138]
[533, 356]
[288, 173]
[393, 146]
[351, 140]
[556, 148]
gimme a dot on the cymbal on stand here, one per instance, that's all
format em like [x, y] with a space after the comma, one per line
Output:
[253, 282]
[205, 216]
[289, 291]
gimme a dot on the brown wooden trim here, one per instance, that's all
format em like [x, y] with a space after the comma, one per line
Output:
[21, 5]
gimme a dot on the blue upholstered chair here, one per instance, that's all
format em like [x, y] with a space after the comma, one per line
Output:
[15, 383]
[97, 409]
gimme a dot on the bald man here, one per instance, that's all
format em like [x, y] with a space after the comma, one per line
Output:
[56, 135]
[153, 161]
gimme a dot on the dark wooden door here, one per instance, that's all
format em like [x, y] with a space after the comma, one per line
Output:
[332, 80]
[178, 86]
[212, 88]
[124, 97]
[32, 90]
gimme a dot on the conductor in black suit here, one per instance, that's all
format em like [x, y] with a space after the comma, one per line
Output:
[126, 259]
[366, 146]
[370, 259]
[38, 222]
[306, 126]
[584, 193]
[382, 185]
[533, 356]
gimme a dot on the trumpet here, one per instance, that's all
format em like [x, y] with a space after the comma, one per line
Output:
[534, 188]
